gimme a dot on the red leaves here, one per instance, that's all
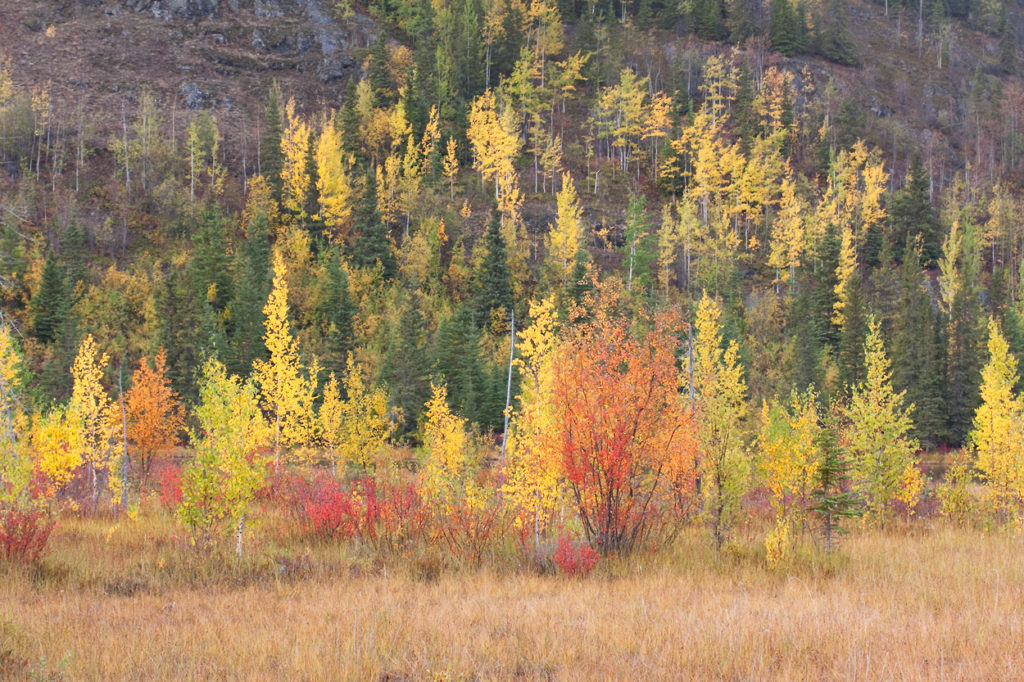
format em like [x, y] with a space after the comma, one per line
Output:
[575, 559]
[24, 533]
[622, 424]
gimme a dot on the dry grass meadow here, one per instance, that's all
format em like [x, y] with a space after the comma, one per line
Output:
[123, 601]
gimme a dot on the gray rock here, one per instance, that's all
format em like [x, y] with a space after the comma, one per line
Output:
[194, 96]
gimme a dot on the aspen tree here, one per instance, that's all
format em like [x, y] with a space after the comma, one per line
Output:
[998, 428]
[286, 393]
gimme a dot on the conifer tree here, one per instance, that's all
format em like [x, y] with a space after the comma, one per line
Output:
[337, 316]
[211, 264]
[371, 246]
[918, 359]
[912, 214]
[271, 156]
[51, 302]
[854, 330]
[492, 282]
[379, 73]
[405, 364]
[833, 501]
[784, 29]
[252, 286]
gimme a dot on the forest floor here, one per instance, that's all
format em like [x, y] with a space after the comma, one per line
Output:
[115, 600]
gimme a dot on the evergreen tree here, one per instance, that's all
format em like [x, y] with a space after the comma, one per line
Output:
[966, 339]
[833, 40]
[492, 282]
[911, 213]
[457, 362]
[252, 287]
[918, 366]
[379, 73]
[271, 156]
[851, 338]
[707, 20]
[833, 501]
[784, 29]
[51, 303]
[211, 262]
[337, 315]
[178, 311]
[371, 246]
[76, 261]
[405, 365]
[349, 123]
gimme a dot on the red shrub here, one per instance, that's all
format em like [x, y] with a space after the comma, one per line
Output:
[577, 559]
[23, 533]
[168, 477]
[328, 509]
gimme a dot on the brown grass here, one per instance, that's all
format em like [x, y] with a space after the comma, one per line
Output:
[933, 603]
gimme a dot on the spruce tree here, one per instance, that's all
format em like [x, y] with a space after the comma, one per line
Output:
[350, 122]
[966, 341]
[406, 364]
[851, 338]
[51, 303]
[178, 311]
[457, 362]
[379, 73]
[832, 499]
[371, 245]
[252, 287]
[784, 29]
[211, 262]
[492, 282]
[337, 316]
[911, 213]
[271, 156]
[918, 366]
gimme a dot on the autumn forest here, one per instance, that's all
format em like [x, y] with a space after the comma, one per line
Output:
[556, 305]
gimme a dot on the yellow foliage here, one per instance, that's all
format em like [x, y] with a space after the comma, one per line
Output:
[92, 415]
[333, 183]
[998, 427]
[533, 481]
[285, 392]
[565, 237]
[294, 173]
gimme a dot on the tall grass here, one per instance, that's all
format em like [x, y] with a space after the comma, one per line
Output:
[116, 600]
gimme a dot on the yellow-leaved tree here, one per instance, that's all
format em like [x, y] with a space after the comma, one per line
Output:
[565, 237]
[534, 486]
[333, 183]
[294, 171]
[229, 466]
[356, 429]
[721, 410]
[448, 476]
[789, 464]
[883, 462]
[92, 415]
[287, 392]
[998, 434]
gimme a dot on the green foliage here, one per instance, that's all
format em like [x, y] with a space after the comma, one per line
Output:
[271, 157]
[492, 282]
[371, 245]
[228, 469]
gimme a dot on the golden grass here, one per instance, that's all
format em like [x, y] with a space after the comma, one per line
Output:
[935, 603]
